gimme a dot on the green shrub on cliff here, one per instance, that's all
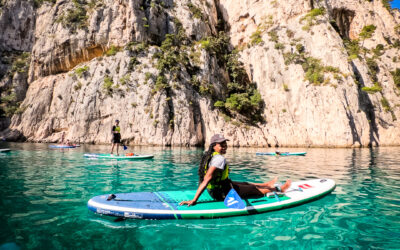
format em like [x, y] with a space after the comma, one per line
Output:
[313, 14]
[386, 4]
[203, 87]
[244, 102]
[196, 11]
[379, 50]
[396, 77]
[353, 48]
[21, 63]
[286, 87]
[242, 97]
[279, 46]
[314, 70]
[385, 104]
[108, 85]
[137, 48]
[8, 98]
[396, 44]
[206, 44]
[219, 104]
[367, 32]
[237, 72]
[397, 29]
[206, 88]
[217, 45]
[147, 77]
[300, 48]
[125, 79]
[373, 68]
[171, 56]
[78, 86]
[112, 51]
[10, 110]
[75, 17]
[82, 71]
[273, 36]
[8, 103]
[132, 63]
[311, 17]
[161, 83]
[256, 38]
[372, 90]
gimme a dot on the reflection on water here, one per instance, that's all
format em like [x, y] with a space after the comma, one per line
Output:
[44, 193]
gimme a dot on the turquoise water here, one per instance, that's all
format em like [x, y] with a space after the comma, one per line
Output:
[44, 193]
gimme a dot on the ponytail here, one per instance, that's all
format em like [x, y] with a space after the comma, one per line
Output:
[205, 159]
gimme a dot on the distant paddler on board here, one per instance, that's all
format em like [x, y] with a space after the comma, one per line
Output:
[116, 136]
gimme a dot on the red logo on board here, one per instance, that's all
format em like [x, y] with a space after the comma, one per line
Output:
[305, 186]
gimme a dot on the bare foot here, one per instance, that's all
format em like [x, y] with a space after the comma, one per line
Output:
[272, 182]
[286, 186]
[269, 185]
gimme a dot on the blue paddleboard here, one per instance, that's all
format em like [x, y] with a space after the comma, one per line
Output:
[61, 146]
[165, 205]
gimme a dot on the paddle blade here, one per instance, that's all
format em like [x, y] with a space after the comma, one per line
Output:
[233, 200]
[125, 147]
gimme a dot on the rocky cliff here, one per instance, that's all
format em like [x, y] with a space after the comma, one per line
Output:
[174, 72]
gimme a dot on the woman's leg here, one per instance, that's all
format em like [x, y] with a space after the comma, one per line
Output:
[246, 190]
[269, 184]
[112, 148]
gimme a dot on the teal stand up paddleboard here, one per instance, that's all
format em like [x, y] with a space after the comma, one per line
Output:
[282, 153]
[118, 157]
[165, 205]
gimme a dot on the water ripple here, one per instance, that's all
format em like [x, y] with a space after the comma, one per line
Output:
[44, 193]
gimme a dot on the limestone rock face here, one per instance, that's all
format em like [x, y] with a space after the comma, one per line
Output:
[337, 113]
[59, 49]
[113, 23]
[17, 22]
[118, 62]
[85, 110]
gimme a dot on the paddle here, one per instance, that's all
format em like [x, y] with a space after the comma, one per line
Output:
[233, 200]
[124, 146]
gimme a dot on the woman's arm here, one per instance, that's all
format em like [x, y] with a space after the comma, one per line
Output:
[203, 185]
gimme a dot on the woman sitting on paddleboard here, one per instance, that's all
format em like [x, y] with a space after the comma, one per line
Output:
[214, 175]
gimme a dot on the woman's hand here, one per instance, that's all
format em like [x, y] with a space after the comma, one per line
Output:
[201, 188]
[189, 203]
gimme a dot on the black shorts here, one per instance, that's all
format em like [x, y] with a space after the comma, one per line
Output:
[116, 138]
[219, 194]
